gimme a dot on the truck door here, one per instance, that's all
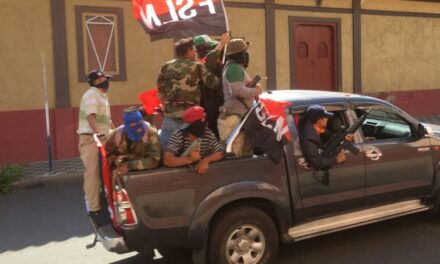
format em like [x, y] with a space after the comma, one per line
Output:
[341, 188]
[398, 160]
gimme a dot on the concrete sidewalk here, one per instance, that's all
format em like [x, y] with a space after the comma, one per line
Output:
[37, 174]
[71, 170]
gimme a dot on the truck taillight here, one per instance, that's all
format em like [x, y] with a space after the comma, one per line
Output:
[124, 211]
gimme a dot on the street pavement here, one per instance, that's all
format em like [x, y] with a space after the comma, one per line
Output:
[49, 225]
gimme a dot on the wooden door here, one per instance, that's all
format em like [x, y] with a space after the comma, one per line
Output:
[314, 56]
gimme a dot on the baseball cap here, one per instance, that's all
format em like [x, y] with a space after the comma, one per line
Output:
[316, 112]
[192, 114]
[96, 74]
[204, 40]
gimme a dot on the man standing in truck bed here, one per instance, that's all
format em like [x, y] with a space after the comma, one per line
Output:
[180, 83]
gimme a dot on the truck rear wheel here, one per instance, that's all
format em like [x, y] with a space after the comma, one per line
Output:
[243, 235]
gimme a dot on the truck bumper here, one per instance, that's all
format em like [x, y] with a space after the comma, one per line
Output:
[111, 240]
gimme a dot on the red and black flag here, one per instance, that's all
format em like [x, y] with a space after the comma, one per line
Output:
[180, 18]
[266, 128]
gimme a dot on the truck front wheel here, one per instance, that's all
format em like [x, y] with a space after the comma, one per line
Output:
[243, 235]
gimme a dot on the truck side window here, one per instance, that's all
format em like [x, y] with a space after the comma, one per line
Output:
[383, 124]
[293, 121]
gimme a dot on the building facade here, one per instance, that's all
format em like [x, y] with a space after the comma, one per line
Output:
[383, 48]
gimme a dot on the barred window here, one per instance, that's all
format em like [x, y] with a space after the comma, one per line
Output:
[100, 41]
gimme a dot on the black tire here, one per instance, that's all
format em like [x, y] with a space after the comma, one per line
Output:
[250, 234]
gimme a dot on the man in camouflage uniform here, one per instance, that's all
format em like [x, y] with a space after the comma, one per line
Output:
[134, 145]
[180, 84]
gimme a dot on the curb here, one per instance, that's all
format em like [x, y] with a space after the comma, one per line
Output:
[55, 179]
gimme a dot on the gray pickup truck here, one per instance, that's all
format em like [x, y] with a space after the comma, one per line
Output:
[242, 207]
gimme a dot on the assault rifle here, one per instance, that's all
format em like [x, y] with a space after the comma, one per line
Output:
[194, 144]
[339, 141]
[254, 81]
[251, 84]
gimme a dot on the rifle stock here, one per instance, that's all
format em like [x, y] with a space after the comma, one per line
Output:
[191, 147]
[254, 81]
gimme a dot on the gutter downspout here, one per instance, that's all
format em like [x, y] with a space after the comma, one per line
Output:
[269, 8]
[357, 51]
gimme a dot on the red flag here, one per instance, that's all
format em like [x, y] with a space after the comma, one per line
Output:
[150, 100]
[276, 111]
[178, 18]
[106, 175]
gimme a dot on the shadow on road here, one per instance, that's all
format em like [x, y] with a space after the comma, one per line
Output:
[42, 215]
[407, 239]
[170, 256]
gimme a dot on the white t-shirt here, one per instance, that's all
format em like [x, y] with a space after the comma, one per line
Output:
[94, 102]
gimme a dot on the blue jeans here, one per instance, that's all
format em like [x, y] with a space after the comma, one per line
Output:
[169, 126]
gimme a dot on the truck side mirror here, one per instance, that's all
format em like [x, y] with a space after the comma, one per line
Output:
[424, 131]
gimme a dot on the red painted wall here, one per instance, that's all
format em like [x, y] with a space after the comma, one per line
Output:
[415, 103]
[23, 137]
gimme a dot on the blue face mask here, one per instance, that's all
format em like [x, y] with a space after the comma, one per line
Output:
[134, 126]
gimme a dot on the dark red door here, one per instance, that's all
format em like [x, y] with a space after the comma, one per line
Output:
[314, 59]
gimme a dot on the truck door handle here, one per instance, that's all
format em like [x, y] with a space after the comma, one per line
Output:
[373, 154]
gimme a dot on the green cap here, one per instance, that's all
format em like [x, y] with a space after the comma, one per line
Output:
[204, 40]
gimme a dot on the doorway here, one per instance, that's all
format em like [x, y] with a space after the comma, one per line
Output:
[315, 54]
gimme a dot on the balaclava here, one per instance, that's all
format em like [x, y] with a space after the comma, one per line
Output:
[132, 133]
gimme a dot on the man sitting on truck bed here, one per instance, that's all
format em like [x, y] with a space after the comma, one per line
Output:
[134, 145]
[193, 143]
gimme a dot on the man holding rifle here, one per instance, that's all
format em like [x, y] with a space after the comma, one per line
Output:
[315, 139]
[239, 94]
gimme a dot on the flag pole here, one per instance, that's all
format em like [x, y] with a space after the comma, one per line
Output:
[227, 30]
[46, 108]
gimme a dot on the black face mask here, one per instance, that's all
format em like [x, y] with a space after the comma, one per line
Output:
[104, 85]
[202, 50]
[246, 60]
[197, 128]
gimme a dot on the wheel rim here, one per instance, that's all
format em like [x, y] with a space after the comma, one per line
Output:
[245, 245]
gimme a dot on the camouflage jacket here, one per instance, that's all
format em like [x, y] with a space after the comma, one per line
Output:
[180, 82]
[140, 155]
[211, 62]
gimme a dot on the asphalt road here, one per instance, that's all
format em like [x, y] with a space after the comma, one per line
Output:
[49, 225]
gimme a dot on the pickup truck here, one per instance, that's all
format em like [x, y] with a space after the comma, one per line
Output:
[241, 209]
